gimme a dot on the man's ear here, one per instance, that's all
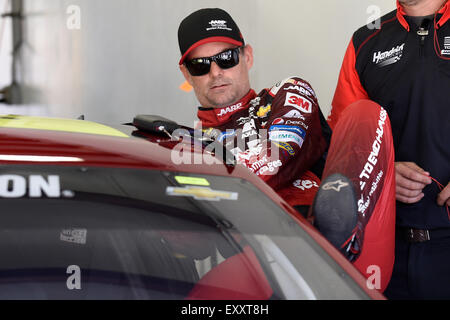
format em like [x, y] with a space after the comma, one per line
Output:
[248, 56]
[186, 74]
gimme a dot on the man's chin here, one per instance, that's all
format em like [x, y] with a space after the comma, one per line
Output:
[222, 103]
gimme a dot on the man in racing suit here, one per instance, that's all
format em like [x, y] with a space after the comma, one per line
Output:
[288, 112]
[281, 135]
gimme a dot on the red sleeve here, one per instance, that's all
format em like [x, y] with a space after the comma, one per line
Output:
[349, 88]
[294, 134]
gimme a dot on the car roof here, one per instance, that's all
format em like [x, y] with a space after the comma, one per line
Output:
[93, 144]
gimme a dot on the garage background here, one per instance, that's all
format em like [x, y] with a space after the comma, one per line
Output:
[112, 59]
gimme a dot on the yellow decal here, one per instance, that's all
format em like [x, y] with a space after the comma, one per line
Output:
[56, 124]
[201, 193]
[285, 146]
[263, 111]
[192, 180]
[208, 131]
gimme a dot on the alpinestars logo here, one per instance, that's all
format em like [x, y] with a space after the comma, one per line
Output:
[218, 24]
[386, 58]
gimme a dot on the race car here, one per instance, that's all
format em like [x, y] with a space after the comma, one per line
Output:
[91, 211]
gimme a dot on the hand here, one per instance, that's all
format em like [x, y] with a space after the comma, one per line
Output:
[444, 196]
[410, 181]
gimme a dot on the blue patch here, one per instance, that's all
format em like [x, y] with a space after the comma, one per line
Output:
[293, 129]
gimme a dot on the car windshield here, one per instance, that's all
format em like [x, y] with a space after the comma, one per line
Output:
[120, 233]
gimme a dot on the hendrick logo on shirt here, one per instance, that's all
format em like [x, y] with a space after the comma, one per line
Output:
[446, 51]
[388, 57]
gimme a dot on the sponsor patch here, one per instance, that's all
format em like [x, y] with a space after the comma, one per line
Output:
[294, 114]
[270, 168]
[263, 111]
[305, 184]
[335, 185]
[300, 89]
[446, 51]
[278, 121]
[230, 109]
[303, 84]
[388, 57]
[218, 25]
[286, 136]
[285, 146]
[298, 102]
[296, 130]
[278, 86]
[297, 123]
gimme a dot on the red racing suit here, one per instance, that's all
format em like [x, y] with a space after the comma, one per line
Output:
[276, 134]
[362, 149]
[279, 135]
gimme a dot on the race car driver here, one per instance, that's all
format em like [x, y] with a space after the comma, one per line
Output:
[281, 135]
[289, 112]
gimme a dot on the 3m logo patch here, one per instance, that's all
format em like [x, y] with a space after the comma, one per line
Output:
[298, 102]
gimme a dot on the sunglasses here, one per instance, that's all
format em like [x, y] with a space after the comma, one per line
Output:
[225, 60]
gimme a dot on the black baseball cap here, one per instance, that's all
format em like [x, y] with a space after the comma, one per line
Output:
[207, 25]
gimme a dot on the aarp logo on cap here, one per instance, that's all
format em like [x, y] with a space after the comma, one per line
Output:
[218, 25]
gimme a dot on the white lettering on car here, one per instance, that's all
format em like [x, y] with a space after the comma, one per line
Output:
[37, 186]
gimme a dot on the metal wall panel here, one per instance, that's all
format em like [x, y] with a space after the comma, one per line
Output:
[123, 59]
